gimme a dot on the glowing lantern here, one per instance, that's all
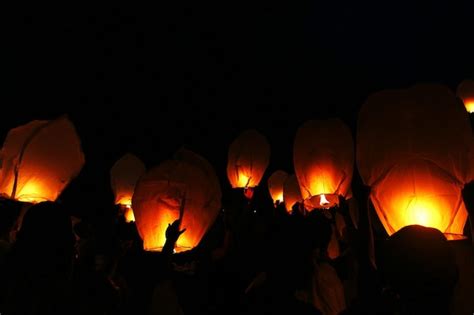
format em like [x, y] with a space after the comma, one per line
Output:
[159, 193]
[323, 156]
[123, 177]
[291, 192]
[413, 149]
[248, 159]
[275, 185]
[39, 160]
[465, 92]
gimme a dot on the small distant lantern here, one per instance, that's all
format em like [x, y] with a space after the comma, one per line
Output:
[465, 92]
[123, 177]
[275, 185]
[159, 195]
[39, 160]
[323, 158]
[413, 150]
[248, 159]
[291, 192]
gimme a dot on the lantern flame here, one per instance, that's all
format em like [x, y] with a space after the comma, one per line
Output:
[32, 192]
[424, 212]
[323, 201]
[129, 216]
[243, 181]
[469, 106]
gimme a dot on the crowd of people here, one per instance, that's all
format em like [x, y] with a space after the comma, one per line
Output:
[255, 259]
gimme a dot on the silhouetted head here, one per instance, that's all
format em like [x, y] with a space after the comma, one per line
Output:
[9, 212]
[419, 264]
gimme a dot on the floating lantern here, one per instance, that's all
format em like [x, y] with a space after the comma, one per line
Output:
[159, 194]
[323, 157]
[248, 159]
[291, 192]
[39, 160]
[275, 185]
[123, 177]
[465, 92]
[413, 149]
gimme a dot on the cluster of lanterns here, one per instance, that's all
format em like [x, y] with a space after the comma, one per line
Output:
[414, 149]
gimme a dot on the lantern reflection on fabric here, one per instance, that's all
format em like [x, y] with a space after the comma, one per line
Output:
[291, 192]
[123, 178]
[39, 160]
[158, 196]
[465, 92]
[414, 150]
[275, 185]
[248, 159]
[323, 157]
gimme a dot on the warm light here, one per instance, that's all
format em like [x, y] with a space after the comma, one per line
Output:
[129, 216]
[423, 212]
[469, 106]
[243, 181]
[279, 197]
[32, 192]
[323, 201]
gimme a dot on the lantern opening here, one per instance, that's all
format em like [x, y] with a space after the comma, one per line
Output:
[323, 201]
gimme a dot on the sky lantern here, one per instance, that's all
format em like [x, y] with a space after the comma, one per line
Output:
[275, 185]
[291, 192]
[323, 156]
[248, 159]
[161, 191]
[413, 150]
[465, 92]
[123, 178]
[39, 159]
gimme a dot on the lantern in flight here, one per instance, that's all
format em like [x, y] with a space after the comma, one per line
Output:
[414, 149]
[291, 192]
[465, 92]
[248, 159]
[160, 193]
[123, 178]
[323, 157]
[39, 160]
[275, 185]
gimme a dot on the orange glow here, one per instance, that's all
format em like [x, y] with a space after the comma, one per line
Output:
[158, 196]
[275, 185]
[469, 105]
[34, 192]
[248, 159]
[323, 157]
[418, 193]
[129, 216]
[291, 192]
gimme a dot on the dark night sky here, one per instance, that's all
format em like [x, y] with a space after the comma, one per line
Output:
[149, 79]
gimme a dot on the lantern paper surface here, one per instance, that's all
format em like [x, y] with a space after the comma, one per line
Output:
[275, 185]
[39, 160]
[123, 178]
[291, 192]
[323, 157]
[248, 159]
[414, 149]
[157, 199]
[465, 92]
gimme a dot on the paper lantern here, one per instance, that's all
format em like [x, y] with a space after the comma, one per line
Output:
[158, 195]
[291, 192]
[465, 92]
[248, 159]
[123, 178]
[323, 157]
[275, 185]
[39, 160]
[414, 149]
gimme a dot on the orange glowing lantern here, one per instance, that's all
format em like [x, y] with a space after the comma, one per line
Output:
[275, 185]
[413, 149]
[323, 156]
[159, 193]
[39, 160]
[291, 192]
[123, 178]
[465, 92]
[248, 159]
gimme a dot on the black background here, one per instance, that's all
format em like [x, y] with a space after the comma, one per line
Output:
[147, 80]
